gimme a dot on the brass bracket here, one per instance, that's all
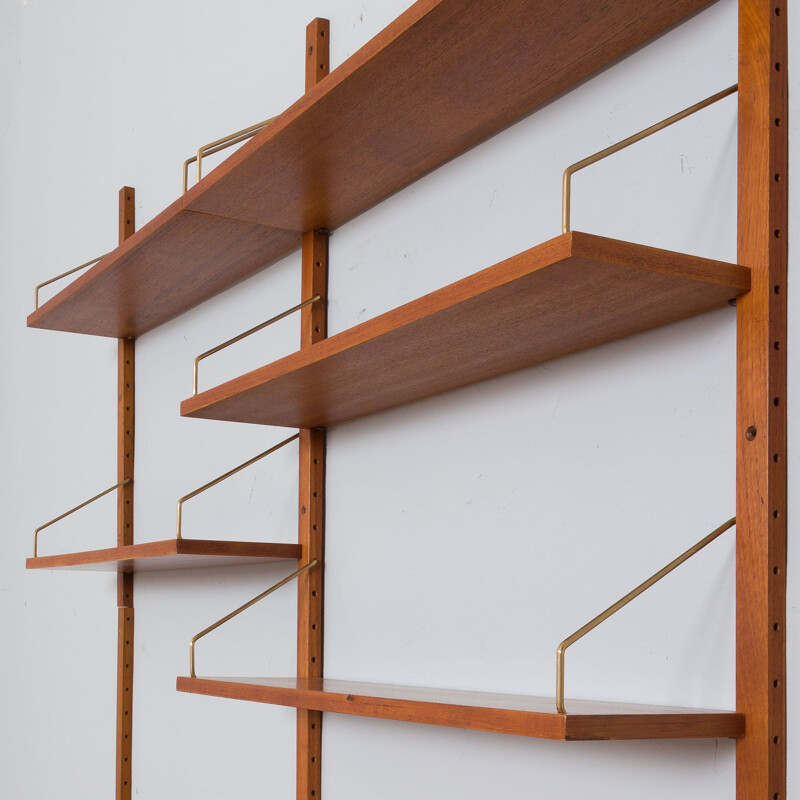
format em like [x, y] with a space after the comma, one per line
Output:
[72, 511]
[247, 333]
[227, 475]
[637, 137]
[64, 275]
[312, 563]
[220, 144]
[642, 587]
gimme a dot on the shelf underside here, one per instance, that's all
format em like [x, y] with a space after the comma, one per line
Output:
[568, 294]
[169, 554]
[439, 79]
[499, 713]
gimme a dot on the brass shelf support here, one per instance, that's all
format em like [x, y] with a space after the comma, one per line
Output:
[247, 333]
[227, 617]
[72, 511]
[227, 475]
[642, 587]
[220, 144]
[637, 137]
[64, 275]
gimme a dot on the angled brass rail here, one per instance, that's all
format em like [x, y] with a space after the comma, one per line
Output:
[220, 144]
[72, 511]
[63, 275]
[642, 587]
[637, 137]
[247, 333]
[312, 563]
[227, 475]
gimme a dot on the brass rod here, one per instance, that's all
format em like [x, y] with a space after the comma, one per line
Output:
[220, 144]
[642, 587]
[227, 475]
[72, 511]
[637, 137]
[64, 275]
[247, 333]
[244, 607]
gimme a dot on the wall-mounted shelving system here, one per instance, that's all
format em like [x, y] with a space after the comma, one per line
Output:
[441, 78]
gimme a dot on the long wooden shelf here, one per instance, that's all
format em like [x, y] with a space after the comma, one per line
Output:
[169, 554]
[570, 293]
[439, 79]
[498, 713]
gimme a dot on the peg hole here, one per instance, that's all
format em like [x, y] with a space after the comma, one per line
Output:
[777, 122]
[313, 759]
[315, 494]
[776, 288]
[777, 66]
[321, 66]
[776, 458]
[319, 263]
[313, 594]
[776, 570]
[310, 49]
[127, 362]
[313, 726]
[751, 433]
[776, 401]
[777, 12]
[127, 408]
[315, 527]
[777, 177]
[776, 684]
[776, 626]
[776, 740]
[322, 33]
[127, 222]
[316, 461]
[776, 796]
[776, 345]
[777, 233]
[314, 626]
[313, 660]
[316, 330]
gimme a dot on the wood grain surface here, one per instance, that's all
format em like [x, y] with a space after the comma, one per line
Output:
[568, 294]
[761, 463]
[311, 482]
[499, 713]
[169, 554]
[412, 98]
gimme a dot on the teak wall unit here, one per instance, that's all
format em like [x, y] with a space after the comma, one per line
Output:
[455, 73]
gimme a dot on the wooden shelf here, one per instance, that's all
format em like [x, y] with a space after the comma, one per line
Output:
[169, 554]
[438, 80]
[499, 713]
[568, 294]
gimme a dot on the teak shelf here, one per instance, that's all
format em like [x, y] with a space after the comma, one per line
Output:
[412, 98]
[169, 554]
[497, 713]
[441, 78]
[570, 293]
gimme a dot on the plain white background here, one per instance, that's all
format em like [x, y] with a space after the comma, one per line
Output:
[467, 534]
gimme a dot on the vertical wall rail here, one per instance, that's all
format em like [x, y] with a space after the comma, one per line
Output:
[311, 534]
[125, 434]
[761, 404]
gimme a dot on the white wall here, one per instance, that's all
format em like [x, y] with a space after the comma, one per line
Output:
[466, 534]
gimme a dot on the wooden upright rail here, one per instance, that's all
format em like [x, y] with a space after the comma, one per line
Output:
[311, 535]
[125, 433]
[761, 409]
